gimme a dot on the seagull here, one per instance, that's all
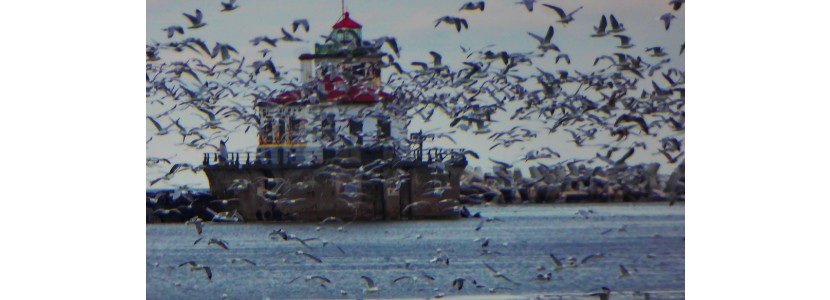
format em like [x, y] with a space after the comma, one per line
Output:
[415, 205]
[564, 57]
[173, 29]
[161, 130]
[591, 256]
[370, 284]
[312, 277]
[229, 6]
[218, 242]
[301, 22]
[544, 43]
[658, 51]
[600, 31]
[556, 261]
[676, 4]
[528, 4]
[616, 26]
[195, 21]
[625, 41]
[414, 277]
[195, 267]
[312, 257]
[666, 18]
[498, 274]
[224, 50]
[604, 295]
[245, 260]
[458, 22]
[563, 18]
[623, 271]
[473, 6]
[197, 222]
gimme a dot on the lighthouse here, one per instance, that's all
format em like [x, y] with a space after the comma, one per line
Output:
[337, 145]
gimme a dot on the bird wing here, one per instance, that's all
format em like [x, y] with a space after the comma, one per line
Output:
[369, 282]
[195, 20]
[491, 268]
[155, 123]
[312, 257]
[436, 58]
[614, 24]
[558, 10]
[602, 24]
[549, 35]
[623, 39]
[538, 38]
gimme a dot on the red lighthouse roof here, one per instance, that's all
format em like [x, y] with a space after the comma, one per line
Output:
[347, 22]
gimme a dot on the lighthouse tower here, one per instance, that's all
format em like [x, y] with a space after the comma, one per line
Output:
[339, 108]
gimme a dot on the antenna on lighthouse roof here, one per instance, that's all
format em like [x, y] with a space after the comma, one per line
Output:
[342, 7]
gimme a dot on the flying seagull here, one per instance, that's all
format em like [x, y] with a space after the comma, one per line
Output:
[600, 31]
[625, 41]
[666, 18]
[229, 6]
[195, 20]
[528, 4]
[604, 295]
[473, 6]
[458, 22]
[301, 22]
[173, 29]
[563, 17]
[370, 284]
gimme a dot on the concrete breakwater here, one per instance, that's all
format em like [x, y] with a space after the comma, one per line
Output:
[562, 183]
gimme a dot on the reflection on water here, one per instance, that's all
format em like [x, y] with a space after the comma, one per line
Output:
[646, 238]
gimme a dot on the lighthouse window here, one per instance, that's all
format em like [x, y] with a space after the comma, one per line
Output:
[384, 128]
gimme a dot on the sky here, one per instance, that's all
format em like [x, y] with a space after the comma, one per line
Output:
[502, 26]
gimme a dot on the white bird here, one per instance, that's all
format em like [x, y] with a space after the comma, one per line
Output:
[625, 41]
[229, 6]
[197, 222]
[473, 6]
[616, 26]
[528, 4]
[623, 271]
[312, 257]
[676, 4]
[221, 243]
[224, 50]
[563, 17]
[370, 284]
[415, 205]
[544, 43]
[600, 31]
[173, 29]
[301, 22]
[245, 260]
[666, 18]
[196, 21]
[556, 261]
[458, 22]
[498, 274]
[195, 267]
[161, 130]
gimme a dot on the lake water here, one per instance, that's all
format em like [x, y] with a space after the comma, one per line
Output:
[646, 238]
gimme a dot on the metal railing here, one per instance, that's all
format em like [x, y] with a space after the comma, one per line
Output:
[436, 154]
[233, 158]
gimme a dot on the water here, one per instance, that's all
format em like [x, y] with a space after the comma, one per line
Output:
[647, 238]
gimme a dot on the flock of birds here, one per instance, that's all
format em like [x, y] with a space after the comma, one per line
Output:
[308, 245]
[629, 97]
[604, 105]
